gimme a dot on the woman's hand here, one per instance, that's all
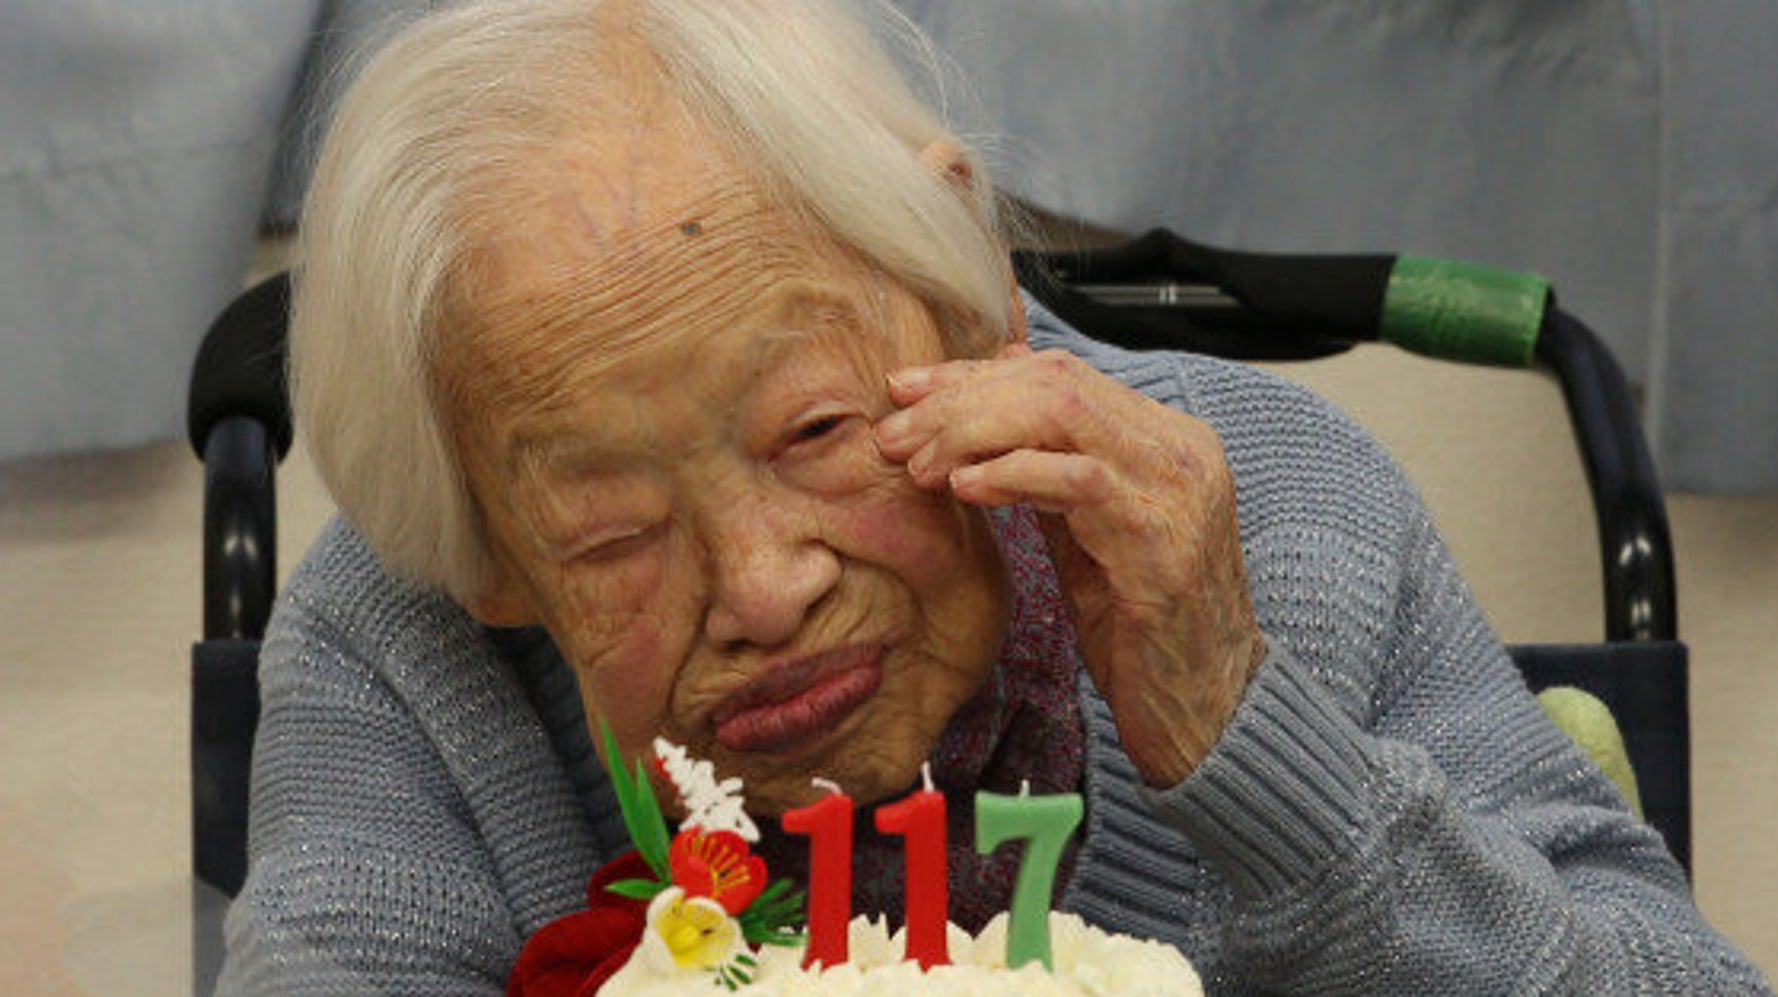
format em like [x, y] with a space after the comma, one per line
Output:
[1138, 505]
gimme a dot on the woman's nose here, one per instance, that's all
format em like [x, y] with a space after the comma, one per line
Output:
[767, 571]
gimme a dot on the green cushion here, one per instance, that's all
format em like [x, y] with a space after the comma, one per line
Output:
[1583, 717]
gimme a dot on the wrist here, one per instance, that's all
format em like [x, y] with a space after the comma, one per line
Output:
[1185, 738]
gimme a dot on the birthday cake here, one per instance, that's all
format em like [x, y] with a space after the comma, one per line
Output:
[688, 911]
[1087, 962]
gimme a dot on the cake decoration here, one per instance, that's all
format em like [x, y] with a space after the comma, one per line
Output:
[693, 903]
[828, 825]
[1044, 823]
[710, 804]
[683, 912]
[920, 818]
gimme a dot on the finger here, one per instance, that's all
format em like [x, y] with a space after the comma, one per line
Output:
[908, 385]
[1133, 540]
[1048, 402]
[1058, 483]
[904, 431]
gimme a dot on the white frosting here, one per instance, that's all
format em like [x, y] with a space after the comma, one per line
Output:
[1088, 963]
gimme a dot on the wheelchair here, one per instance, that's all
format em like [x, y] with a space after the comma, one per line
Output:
[1158, 291]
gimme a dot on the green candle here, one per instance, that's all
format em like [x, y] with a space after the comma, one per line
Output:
[1044, 823]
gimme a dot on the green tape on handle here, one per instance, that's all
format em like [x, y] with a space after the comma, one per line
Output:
[1464, 311]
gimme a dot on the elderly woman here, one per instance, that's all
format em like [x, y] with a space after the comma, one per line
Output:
[664, 362]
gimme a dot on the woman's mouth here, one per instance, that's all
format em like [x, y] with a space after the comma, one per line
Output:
[796, 705]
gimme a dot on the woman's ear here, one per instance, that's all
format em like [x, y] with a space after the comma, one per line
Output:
[1017, 331]
[946, 159]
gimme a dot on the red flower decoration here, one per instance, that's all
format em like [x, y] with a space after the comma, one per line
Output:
[718, 865]
[574, 955]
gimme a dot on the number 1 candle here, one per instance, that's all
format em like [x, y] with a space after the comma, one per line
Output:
[1044, 823]
[828, 824]
[921, 819]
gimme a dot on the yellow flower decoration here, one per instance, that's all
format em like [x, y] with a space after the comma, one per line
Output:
[689, 933]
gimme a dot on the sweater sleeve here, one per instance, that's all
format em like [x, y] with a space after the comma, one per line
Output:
[365, 875]
[1393, 812]
[411, 823]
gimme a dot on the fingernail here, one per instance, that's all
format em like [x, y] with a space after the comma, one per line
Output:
[910, 378]
[894, 426]
[917, 464]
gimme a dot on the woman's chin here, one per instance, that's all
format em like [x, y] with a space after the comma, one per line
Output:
[862, 765]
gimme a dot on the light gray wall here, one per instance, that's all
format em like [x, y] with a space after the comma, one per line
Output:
[1625, 148]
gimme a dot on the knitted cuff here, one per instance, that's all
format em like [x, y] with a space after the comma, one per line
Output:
[1283, 792]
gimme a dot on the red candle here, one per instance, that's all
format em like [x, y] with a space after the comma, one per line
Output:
[921, 819]
[828, 824]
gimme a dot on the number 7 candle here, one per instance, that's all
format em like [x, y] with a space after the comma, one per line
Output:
[828, 824]
[921, 819]
[1044, 823]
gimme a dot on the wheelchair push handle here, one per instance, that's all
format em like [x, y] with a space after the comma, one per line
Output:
[1160, 291]
[238, 420]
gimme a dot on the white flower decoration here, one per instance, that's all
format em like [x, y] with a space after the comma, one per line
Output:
[709, 804]
[689, 933]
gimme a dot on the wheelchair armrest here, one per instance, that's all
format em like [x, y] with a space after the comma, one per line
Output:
[1636, 549]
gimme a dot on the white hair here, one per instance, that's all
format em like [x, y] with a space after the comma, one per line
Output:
[424, 148]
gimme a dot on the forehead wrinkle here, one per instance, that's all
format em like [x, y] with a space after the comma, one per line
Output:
[797, 312]
[538, 456]
[812, 312]
[538, 344]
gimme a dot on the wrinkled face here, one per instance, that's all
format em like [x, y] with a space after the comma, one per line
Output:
[665, 410]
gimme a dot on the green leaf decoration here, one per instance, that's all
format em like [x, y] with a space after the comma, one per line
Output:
[774, 895]
[773, 916]
[642, 812]
[636, 889]
[652, 840]
[735, 977]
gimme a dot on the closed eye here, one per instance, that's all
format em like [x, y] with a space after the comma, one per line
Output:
[826, 452]
[620, 546]
[817, 428]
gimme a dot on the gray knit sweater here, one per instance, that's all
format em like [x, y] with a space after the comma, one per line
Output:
[1388, 813]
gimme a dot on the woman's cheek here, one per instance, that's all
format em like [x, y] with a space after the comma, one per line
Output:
[877, 513]
[626, 679]
[632, 679]
[622, 647]
[921, 534]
